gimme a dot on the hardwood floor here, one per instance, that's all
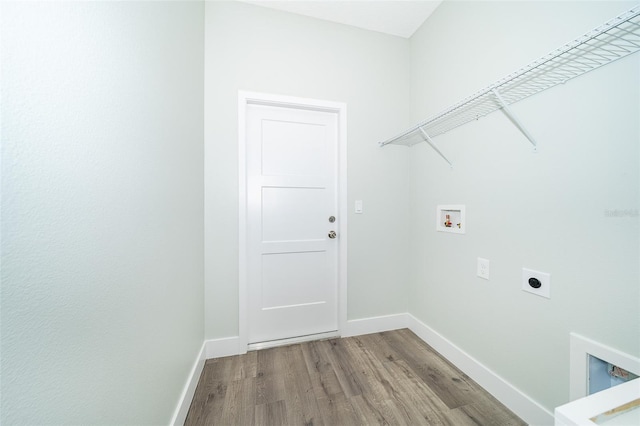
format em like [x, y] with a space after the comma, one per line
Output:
[390, 378]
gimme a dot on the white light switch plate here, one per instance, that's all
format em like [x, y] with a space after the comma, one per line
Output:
[358, 206]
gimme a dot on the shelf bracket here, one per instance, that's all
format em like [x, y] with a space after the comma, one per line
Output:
[514, 119]
[430, 141]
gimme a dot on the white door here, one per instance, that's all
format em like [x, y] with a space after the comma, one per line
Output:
[292, 261]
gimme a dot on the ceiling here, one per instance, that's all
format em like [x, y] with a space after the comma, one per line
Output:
[396, 17]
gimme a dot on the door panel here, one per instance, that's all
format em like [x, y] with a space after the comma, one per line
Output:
[293, 214]
[290, 148]
[290, 279]
[291, 192]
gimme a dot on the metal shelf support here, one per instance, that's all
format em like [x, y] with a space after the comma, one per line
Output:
[507, 111]
[434, 146]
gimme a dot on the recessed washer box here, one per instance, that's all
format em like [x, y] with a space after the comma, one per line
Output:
[451, 218]
[536, 282]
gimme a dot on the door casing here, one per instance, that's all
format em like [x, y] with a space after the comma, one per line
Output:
[246, 98]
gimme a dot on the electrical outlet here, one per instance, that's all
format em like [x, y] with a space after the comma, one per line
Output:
[536, 282]
[483, 268]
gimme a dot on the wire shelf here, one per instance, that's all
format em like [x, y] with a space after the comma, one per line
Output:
[613, 40]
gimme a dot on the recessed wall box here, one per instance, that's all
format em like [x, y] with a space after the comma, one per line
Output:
[451, 218]
[536, 282]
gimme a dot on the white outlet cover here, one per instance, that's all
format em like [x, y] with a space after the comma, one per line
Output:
[545, 279]
[483, 268]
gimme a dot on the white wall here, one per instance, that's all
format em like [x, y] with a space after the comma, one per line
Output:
[545, 211]
[258, 49]
[102, 209]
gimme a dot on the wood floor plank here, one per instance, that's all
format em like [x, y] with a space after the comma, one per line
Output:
[468, 415]
[486, 410]
[342, 367]
[441, 362]
[271, 414]
[390, 378]
[375, 383]
[450, 384]
[300, 399]
[402, 393]
[371, 414]
[415, 396]
[376, 343]
[239, 403]
[211, 391]
[401, 371]
[321, 372]
[383, 387]
[269, 383]
[337, 410]
[245, 366]
[372, 376]
[266, 362]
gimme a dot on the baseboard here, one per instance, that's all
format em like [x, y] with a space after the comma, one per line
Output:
[215, 348]
[523, 406]
[374, 325]
[227, 346]
[180, 414]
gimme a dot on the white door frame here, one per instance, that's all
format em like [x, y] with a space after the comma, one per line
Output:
[247, 98]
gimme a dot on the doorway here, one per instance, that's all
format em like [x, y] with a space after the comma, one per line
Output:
[292, 219]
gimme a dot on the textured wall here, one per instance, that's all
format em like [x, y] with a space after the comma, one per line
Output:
[102, 209]
[547, 211]
[258, 49]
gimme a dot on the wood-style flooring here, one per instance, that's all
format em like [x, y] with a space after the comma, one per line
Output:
[390, 378]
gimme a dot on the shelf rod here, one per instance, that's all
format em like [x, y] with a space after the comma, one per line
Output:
[433, 145]
[514, 119]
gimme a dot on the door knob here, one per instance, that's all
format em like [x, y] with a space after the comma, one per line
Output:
[332, 234]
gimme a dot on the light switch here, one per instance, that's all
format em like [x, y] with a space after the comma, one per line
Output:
[359, 206]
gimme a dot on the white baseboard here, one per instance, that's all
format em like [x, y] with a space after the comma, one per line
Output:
[523, 406]
[227, 346]
[374, 325]
[181, 411]
[215, 348]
